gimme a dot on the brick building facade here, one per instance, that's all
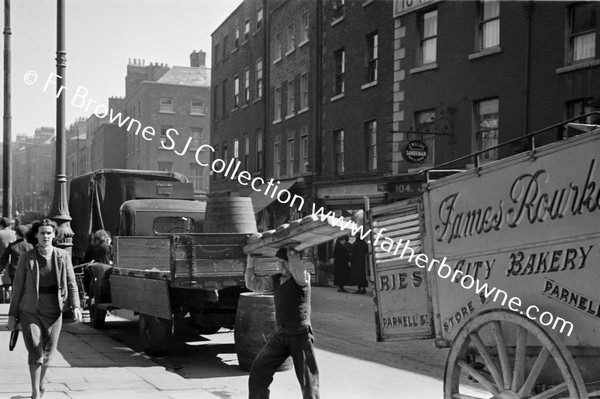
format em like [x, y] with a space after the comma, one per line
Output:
[158, 125]
[500, 70]
[239, 91]
[396, 87]
[174, 112]
[34, 170]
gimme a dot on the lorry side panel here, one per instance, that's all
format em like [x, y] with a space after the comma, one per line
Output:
[142, 253]
[141, 295]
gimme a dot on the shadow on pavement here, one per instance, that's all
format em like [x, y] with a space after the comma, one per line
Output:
[189, 355]
[344, 323]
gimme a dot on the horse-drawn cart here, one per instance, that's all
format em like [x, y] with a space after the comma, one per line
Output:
[518, 300]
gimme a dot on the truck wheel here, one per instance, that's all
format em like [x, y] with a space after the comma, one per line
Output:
[485, 339]
[97, 315]
[155, 334]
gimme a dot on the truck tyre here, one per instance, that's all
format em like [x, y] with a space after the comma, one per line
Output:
[155, 334]
[97, 315]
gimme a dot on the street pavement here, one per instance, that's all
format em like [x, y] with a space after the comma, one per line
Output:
[90, 365]
[102, 364]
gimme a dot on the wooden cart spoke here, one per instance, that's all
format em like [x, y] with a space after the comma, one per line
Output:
[536, 369]
[547, 394]
[487, 359]
[502, 352]
[487, 384]
[516, 380]
[463, 396]
[519, 369]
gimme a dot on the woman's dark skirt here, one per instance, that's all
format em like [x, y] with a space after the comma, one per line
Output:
[42, 329]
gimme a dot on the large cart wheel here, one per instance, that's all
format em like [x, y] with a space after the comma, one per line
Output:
[155, 334]
[506, 380]
[97, 315]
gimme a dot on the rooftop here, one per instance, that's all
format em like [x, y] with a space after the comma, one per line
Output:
[188, 76]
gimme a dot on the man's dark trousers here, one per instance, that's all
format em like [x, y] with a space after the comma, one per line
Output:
[274, 353]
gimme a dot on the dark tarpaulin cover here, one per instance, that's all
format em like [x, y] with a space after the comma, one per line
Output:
[95, 199]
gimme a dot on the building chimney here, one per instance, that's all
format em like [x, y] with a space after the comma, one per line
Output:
[197, 59]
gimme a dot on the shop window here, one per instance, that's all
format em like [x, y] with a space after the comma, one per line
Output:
[486, 135]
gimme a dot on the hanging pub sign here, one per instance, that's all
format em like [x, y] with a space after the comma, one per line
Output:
[415, 151]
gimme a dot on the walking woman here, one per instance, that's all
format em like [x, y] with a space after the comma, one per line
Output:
[43, 288]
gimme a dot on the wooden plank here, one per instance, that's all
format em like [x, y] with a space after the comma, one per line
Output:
[151, 246]
[141, 295]
[143, 263]
[219, 251]
[220, 239]
[222, 266]
[211, 282]
[142, 253]
[300, 235]
[155, 275]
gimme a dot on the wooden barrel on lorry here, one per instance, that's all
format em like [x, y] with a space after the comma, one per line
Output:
[229, 215]
[254, 325]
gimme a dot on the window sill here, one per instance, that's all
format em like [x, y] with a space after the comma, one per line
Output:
[337, 97]
[577, 66]
[196, 114]
[278, 60]
[167, 112]
[303, 110]
[337, 21]
[257, 100]
[424, 68]
[290, 116]
[276, 121]
[367, 2]
[303, 43]
[245, 41]
[245, 105]
[485, 53]
[370, 84]
[290, 52]
[234, 109]
[235, 50]
[257, 31]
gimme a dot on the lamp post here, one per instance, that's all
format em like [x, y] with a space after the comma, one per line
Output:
[60, 206]
[7, 159]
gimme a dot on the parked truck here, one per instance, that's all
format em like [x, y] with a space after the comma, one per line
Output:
[165, 267]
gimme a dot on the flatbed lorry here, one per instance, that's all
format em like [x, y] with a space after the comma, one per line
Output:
[165, 267]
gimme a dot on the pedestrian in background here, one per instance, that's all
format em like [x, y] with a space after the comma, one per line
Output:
[10, 257]
[44, 287]
[341, 263]
[358, 262]
[293, 335]
[100, 250]
[7, 235]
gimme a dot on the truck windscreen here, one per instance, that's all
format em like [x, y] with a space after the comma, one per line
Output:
[173, 224]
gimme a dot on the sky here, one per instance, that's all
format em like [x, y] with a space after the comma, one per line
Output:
[101, 37]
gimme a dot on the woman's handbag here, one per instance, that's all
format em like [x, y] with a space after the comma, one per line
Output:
[14, 336]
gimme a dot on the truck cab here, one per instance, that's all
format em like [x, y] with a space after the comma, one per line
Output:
[150, 217]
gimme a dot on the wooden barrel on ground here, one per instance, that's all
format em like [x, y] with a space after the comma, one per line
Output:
[254, 325]
[229, 215]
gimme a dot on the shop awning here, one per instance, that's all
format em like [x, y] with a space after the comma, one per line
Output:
[260, 201]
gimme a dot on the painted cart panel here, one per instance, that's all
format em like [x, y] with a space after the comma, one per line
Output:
[529, 226]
